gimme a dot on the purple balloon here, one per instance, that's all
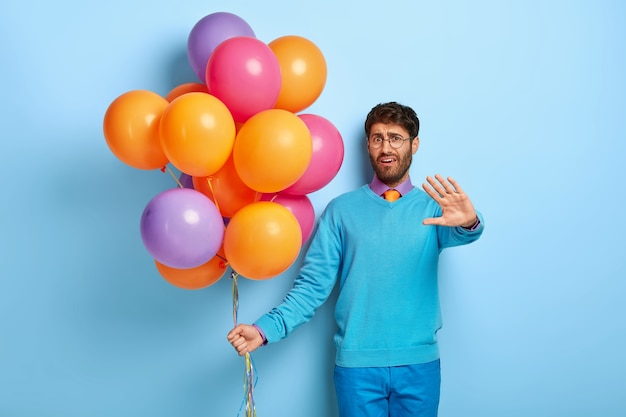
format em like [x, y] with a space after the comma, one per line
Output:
[186, 180]
[209, 32]
[181, 228]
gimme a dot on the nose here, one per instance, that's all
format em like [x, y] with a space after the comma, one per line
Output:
[386, 144]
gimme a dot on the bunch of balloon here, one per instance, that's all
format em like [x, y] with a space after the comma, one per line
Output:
[279, 156]
[247, 154]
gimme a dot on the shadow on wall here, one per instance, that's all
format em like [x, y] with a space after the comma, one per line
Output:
[178, 70]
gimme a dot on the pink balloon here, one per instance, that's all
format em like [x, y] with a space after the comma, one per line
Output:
[244, 73]
[327, 156]
[300, 206]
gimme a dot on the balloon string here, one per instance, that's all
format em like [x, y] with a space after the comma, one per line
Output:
[234, 275]
[248, 384]
[208, 180]
[165, 167]
[249, 378]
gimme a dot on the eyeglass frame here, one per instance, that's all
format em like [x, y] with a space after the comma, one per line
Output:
[397, 138]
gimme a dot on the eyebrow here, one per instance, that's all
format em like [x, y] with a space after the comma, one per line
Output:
[389, 133]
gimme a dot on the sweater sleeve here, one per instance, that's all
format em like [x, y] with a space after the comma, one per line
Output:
[312, 286]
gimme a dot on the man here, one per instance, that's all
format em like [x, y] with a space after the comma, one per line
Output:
[384, 251]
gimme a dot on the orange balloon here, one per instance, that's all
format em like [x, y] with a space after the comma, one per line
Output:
[226, 189]
[303, 70]
[272, 150]
[197, 133]
[196, 278]
[262, 240]
[131, 129]
[184, 89]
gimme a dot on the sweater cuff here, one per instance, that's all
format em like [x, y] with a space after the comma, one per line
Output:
[261, 333]
[473, 227]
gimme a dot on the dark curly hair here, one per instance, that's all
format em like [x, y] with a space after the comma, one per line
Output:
[393, 113]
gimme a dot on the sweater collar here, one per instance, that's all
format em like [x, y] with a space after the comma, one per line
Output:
[379, 187]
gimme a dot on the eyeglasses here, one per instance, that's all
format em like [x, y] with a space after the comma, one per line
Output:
[396, 141]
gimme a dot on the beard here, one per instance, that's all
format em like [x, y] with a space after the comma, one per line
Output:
[392, 174]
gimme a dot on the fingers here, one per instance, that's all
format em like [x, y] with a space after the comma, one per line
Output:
[434, 189]
[441, 186]
[235, 332]
[433, 221]
[238, 340]
[432, 193]
[435, 185]
[456, 185]
[241, 345]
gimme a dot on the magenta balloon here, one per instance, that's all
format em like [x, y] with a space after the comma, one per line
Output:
[244, 74]
[209, 32]
[182, 228]
[327, 155]
[300, 206]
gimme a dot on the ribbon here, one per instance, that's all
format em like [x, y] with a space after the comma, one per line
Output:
[208, 181]
[249, 376]
[165, 167]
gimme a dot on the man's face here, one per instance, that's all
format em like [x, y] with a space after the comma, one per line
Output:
[391, 165]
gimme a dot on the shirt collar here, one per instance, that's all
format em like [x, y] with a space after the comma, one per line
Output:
[380, 187]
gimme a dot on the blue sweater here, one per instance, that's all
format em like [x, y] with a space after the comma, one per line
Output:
[386, 261]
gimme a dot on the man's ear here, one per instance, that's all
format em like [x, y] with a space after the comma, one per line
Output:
[415, 144]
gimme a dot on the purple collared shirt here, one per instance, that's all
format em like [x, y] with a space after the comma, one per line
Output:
[380, 187]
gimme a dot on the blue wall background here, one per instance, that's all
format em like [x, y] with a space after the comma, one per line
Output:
[522, 101]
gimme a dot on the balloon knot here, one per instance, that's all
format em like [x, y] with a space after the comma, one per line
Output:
[163, 168]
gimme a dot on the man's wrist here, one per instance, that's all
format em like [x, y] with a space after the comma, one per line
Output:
[473, 226]
[261, 333]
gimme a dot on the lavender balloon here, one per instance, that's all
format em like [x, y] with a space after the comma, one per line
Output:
[186, 180]
[181, 228]
[209, 32]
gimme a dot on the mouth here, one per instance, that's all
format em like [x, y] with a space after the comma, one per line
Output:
[386, 160]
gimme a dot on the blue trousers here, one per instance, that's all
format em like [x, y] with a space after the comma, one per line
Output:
[398, 391]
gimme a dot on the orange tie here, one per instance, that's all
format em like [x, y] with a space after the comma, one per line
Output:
[391, 195]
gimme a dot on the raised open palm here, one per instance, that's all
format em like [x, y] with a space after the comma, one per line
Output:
[457, 208]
